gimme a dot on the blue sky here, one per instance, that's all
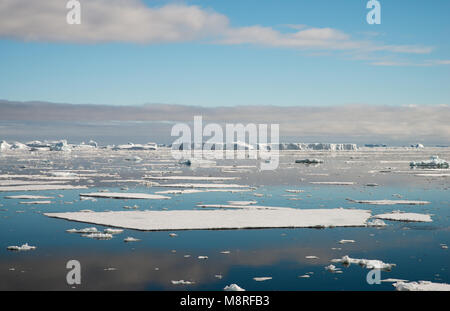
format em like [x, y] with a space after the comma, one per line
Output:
[200, 69]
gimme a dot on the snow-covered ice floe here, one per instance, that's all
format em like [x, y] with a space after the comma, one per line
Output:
[233, 288]
[182, 282]
[222, 219]
[28, 197]
[203, 178]
[39, 188]
[309, 161]
[114, 195]
[24, 247]
[35, 202]
[84, 230]
[390, 202]
[400, 216]
[194, 185]
[434, 162]
[337, 183]
[421, 286]
[367, 263]
[130, 239]
[262, 278]
[98, 236]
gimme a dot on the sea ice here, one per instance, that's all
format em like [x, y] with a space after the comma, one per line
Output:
[114, 195]
[400, 216]
[222, 219]
[233, 288]
[368, 263]
[390, 202]
[24, 247]
[421, 286]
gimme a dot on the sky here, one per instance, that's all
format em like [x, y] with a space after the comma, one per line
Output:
[215, 53]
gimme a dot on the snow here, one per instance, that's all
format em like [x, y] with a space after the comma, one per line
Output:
[368, 263]
[222, 219]
[390, 202]
[117, 195]
[24, 247]
[233, 288]
[421, 286]
[400, 216]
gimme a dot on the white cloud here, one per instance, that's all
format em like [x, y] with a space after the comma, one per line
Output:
[133, 21]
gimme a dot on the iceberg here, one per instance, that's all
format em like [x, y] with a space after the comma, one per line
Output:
[434, 162]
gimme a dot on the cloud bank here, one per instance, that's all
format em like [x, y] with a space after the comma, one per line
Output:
[133, 21]
[348, 123]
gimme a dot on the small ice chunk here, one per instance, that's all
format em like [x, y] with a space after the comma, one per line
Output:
[173, 235]
[113, 231]
[130, 239]
[346, 241]
[24, 247]
[311, 257]
[98, 236]
[390, 202]
[262, 278]
[182, 282]
[233, 288]
[202, 257]
[84, 230]
[333, 269]
[376, 223]
[368, 263]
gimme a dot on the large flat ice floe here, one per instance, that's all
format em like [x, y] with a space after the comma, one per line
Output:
[39, 188]
[399, 216]
[118, 195]
[390, 202]
[222, 219]
[421, 286]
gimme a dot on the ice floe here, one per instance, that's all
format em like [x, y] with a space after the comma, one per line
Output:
[262, 278]
[367, 263]
[434, 162]
[116, 195]
[24, 247]
[222, 219]
[337, 183]
[390, 202]
[113, 231]
[182, 282]
[309, 161]
[401, 216]
[233, 288]
[98, 236]
[421, 286]
[130, 239]
[28, 197]
[39, 188]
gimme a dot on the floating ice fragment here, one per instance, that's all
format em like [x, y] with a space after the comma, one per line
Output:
[24, 247]
[202, 257]
[421, 286]
[390, 202]
[182, 282]
[111, 195]
[98, 236]
[346, 241]
[368, 263]
[333, 269]
[311, 257]
[376, 223]
[233, 288]
[113, 231]
[130, 239]
[434, 162]
[85, 230]
[223, 219]
[408, 217]
[262, 278]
